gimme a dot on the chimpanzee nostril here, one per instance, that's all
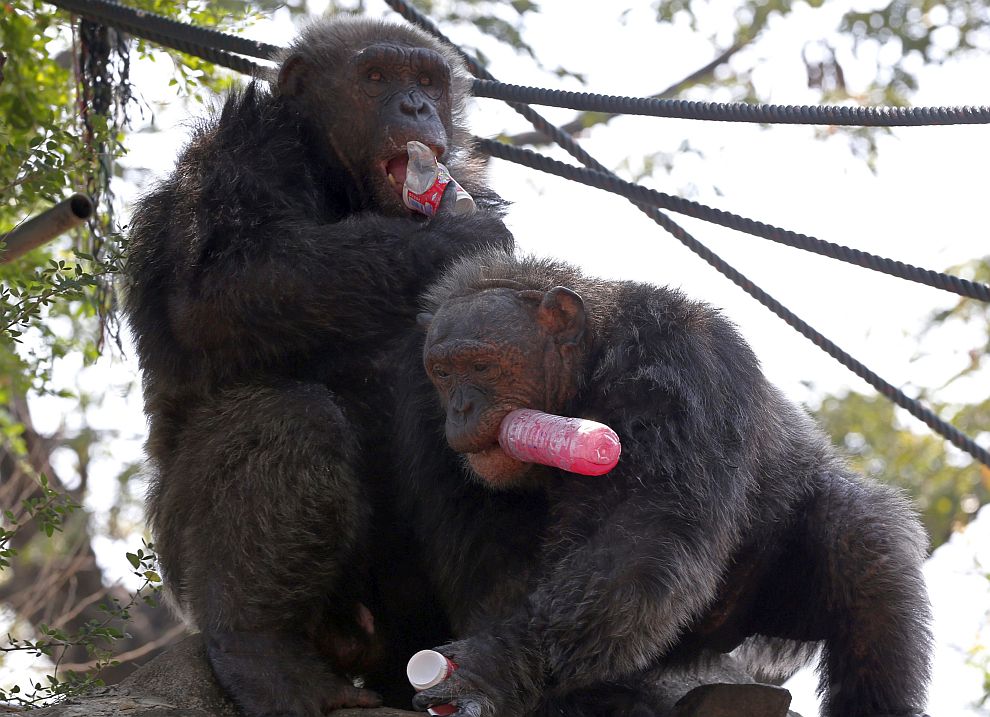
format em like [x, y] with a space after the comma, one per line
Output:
[462, 403]
[413, 103]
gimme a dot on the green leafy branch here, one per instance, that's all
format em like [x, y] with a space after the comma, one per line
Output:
[48, 509]
[97, 637]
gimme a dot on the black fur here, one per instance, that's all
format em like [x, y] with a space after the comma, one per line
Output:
[730, 520]
[264, 276]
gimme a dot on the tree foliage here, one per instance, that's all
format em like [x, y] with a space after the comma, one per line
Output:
[64, 101]
[947, 486]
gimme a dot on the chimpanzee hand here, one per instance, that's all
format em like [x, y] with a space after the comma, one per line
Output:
[446, 206]
[488, 682]
[447, 238]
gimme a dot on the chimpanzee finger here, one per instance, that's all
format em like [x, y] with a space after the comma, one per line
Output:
[447, 201]
[462, 708]
[468, 700]
[429, 698]
[468, 708]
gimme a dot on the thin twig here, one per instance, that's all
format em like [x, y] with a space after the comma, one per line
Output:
[134, 654]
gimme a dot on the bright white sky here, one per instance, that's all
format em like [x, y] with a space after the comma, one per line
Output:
[926, 206]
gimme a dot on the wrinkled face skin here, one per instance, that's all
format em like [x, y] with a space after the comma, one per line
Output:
[383, 96]
[493, 352]
[403, 94]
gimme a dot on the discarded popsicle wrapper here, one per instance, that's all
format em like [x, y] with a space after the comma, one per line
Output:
[576, 445]
[427, 180]
[428, 668]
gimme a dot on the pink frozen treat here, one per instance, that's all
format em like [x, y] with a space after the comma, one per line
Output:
[571, 444]
[428, 668]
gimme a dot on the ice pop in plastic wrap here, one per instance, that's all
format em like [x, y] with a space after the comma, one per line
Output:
[428, 668]
[427, 180]
[571, 444]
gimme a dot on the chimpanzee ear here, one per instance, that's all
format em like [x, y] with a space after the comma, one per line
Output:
[292, 76]
[562, 313]
[423, 320]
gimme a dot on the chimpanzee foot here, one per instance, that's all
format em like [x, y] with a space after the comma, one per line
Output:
[270, 674]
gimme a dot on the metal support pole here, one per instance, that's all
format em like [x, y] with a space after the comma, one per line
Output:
[46, 226]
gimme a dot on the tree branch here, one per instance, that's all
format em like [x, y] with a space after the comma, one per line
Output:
[62, 585]
[144, 650]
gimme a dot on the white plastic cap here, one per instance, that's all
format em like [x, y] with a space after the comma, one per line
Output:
[427, 668]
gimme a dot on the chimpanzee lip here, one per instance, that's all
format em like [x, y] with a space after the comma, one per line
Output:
[394, 169]
[491, 429]
[496, 468]
[489, 449]
[486, 453]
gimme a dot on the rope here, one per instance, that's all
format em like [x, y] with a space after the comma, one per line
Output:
[210, 45]
[891, 392]
[215, 46]
[200, 42]
[561, 138]
[642, 195]
[114, 13]
[735, 112]
[888, 390]
[914, 407]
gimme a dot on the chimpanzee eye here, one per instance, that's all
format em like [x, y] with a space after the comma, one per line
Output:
[374, 83]
[439, 372]
[481, 367]
[432, 85]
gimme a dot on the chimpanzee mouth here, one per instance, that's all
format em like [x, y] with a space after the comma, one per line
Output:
[495, 467]
[395, 167]
[395, 171]
[489, 452]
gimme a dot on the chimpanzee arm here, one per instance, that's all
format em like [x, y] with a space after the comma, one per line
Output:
[294, 281]
[619, 602]
[259, 244]
[290, 284]
[607, 609]
[638, 555]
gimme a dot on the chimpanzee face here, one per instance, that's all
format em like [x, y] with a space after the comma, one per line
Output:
[492, 352]
[385, 95]
[407, 92]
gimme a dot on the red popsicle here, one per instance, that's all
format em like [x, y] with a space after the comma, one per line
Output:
[571, 444]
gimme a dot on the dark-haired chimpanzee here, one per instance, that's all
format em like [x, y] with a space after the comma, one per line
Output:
[729, 519]
[265, 274]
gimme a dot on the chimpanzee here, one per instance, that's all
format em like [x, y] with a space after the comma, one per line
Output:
[729, 519]
[265, 275]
